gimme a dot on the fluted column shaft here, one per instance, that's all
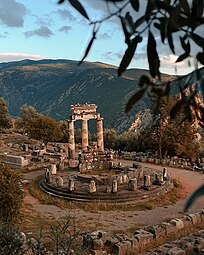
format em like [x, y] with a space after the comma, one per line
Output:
[85, 134]
[100, 143]
[71, 143]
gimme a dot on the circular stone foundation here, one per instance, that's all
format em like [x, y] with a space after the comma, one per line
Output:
[119, 185]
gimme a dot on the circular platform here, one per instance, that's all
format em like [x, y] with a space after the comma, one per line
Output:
[103, 187]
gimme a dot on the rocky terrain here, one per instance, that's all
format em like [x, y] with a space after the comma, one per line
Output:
[51, 86]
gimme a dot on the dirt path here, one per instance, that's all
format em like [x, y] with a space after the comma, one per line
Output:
[123, 220]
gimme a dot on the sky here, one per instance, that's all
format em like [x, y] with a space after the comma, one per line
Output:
[38, 29]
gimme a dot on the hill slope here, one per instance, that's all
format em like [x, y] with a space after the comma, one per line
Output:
[51, 86]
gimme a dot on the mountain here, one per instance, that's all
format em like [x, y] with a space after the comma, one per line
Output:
[51, 86]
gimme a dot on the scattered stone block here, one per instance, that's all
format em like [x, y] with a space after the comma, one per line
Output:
[144, 237]
[121, 248]
[158, 231]
[178, 223]
[169, 228]
[195, 218]
[176, 251]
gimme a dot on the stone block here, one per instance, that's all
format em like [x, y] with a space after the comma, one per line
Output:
[158, 231]
[187, 222]
[178, 223]
[121, 248]
[98, 252]
[176, 251]
[112, 241]
[144, 237]
[195, 218]
[169, 228]
[97, 244]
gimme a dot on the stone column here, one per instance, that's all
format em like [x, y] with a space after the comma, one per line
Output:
[147, 182]
[71, 185]
[92, 186]
[100, 143]
[85, 134]
[114, 186]
[165, 175]
[71, 143]
[132, 185]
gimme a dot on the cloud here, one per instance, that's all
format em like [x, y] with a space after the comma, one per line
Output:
[43, 31]
[65, 29]
[104, 36]
[66, 14]
[12, 13]
[46, 20]
[8, 57]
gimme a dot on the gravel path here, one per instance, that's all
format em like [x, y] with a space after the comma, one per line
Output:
[122, 220]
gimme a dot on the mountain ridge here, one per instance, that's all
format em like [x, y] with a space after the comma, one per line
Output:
[51, 86]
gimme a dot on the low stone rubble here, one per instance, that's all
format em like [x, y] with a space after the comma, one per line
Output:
[143, 239]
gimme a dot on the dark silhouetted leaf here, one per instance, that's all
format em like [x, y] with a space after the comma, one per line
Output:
[196, 194]
[88, 47]
[129, 23]
[144, 80]
[182, 57]
[170, 41]
[140, 21]
[135, 5]
[77, 5]
[129, 53]
[197, 8]
[61, 1]
[152, 55]
[126, 33]
[198, 39]
[185, 6]
[200, 57]
[134, 99]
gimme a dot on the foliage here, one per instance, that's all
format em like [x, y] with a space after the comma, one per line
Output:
[110, 137]
[64, 129]
[168, 137]
[10, 240]
[66, 237]
[27, 113]
[11, 195]
[5, 121]
[44, 128]
[161, 21]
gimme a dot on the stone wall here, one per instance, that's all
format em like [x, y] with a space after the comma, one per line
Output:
[15, 161]
[142, 239]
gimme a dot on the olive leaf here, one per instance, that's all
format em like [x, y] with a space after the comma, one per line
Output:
[78, 6]
[134, 99]
[129, 53]
[135, 5]
[152, 55]
[196, 194]
[88, 47]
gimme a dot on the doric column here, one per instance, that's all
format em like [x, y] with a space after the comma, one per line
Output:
[71, 143]
[100, 144]
[85, 134]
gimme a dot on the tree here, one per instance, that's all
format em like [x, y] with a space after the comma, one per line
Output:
[5, 121]
[160, 21]
[11, 195]
[44, 128]
[170, 138]
[110, 137]
[27, 113]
